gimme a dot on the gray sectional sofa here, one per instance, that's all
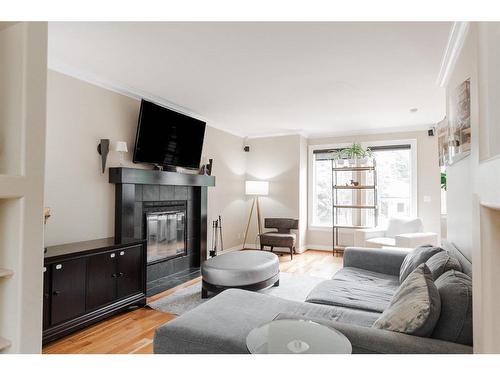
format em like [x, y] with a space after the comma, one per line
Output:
[350, 302]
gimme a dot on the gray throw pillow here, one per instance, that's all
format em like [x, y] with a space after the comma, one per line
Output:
[442, 262]
[415, 307]
[415, 258]
[455, 321]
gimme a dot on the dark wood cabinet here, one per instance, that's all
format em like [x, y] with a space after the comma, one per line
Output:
[68, 290]
[101, 280]
[88, 281]
[129, 277]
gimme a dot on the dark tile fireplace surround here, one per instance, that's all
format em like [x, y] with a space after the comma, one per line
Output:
[175, 254]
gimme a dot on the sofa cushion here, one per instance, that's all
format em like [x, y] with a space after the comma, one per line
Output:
[415, 258]
[416, 306]
[222, 324]
[356, 288]
[455, 321]
[442, 262]
[278, 239]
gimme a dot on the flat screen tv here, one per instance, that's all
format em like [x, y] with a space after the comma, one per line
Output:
[167, 138]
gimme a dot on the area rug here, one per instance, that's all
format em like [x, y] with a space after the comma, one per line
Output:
[293, 286]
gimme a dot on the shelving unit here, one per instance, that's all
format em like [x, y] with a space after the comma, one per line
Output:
[335, 206]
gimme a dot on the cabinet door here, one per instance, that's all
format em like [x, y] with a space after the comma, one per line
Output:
[130, 271]
[46, 297]
[68, 290]
[101, 279]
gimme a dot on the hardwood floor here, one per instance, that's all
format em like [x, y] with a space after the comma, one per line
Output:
[132, 332]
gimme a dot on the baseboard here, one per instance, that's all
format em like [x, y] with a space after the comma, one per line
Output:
[318, 247]
[228, 250]
[249, 246]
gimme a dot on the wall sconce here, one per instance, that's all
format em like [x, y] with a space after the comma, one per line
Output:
[103, 150]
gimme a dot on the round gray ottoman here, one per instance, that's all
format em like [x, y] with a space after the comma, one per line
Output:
[248, 269]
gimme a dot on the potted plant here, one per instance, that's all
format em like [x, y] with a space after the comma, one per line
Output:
[356, 154]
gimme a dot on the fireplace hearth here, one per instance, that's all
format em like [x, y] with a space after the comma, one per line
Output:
[169, 210]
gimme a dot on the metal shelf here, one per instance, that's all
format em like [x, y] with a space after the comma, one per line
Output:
[359, 187]
[353, 206]
[352, 227]
[353, 169]
[335, 188]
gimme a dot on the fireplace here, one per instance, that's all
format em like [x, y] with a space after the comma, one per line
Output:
[165, 230]
[169, 210]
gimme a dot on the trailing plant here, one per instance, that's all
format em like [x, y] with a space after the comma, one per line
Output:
[355, 151]
[443, 181]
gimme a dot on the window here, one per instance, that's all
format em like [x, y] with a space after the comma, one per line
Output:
[396, 183]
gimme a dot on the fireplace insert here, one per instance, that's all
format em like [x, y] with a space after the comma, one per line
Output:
[165, 230]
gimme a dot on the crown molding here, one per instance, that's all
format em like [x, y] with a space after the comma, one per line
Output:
[137, 94]
[128, 91]
[454, 46]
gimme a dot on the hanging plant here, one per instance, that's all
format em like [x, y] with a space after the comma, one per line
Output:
[355, 151]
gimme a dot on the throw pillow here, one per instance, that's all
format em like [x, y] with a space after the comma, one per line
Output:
[415, 258]
[455, 321]
[441, 263]
[415, 307]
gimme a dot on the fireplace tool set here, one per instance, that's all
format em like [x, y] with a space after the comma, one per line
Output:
[217, 244]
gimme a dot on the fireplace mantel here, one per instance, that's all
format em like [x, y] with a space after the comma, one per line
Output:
[153, 177]
[137, 188]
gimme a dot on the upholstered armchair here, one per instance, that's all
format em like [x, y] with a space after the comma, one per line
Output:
[407, 233]
[282, 236]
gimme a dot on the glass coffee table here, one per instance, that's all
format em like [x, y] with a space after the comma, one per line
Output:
[290, 336]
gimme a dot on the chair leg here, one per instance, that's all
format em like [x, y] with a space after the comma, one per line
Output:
[291, 253]
[204, 293]
[262, 247]
[272, 248]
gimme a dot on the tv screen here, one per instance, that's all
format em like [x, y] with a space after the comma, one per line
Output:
[168, 138]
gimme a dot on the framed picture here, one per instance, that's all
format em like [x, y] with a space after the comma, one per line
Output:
[443, 135]
[460, 131]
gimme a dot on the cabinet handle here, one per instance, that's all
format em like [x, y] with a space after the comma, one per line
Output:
[112, 255]
[44, 269]
[122, 252]
[120, 274]
[56, 292]
[58, 266]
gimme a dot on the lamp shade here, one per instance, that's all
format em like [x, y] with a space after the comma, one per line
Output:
[121, 146]
[256, 187]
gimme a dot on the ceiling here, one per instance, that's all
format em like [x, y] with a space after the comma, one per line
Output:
[256, 79]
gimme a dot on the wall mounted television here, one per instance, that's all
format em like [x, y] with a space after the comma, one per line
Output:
[167, 138]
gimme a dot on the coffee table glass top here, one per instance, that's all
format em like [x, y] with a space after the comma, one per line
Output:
[289, 336]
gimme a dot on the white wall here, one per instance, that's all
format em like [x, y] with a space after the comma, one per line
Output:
[277, 160]
[428, 179]
[79, 195]
[473, 227]
[227, 198]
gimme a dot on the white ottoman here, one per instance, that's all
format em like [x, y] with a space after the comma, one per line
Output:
[248, 269]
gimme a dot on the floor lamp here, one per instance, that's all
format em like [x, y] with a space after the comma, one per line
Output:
[256, 189]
